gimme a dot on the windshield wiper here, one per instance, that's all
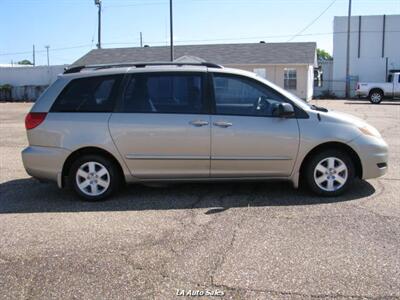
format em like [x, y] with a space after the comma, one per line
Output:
[319, 108]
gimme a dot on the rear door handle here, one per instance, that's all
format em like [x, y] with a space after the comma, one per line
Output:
[222, 124]
[198, 123]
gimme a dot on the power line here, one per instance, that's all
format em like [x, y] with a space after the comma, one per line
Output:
[219, 39]
[247, 38]
[198, 40]
[135, 4]
[313, 21]
[42, 51]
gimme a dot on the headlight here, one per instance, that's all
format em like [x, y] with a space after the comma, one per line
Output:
[369, 130]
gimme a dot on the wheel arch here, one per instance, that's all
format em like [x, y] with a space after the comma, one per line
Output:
[335, 145]
[376, 89]
[88, 151]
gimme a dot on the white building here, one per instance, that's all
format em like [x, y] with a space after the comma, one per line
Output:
[27, 82]
[30, 75]
[374, 49]
[14, 66]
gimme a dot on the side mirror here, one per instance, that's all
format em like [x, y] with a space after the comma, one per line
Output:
[285, 110]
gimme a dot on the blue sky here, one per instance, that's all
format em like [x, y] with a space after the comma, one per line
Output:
[70, 26]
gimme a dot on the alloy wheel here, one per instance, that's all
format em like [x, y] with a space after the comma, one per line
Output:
[92, 178]
[331, 174]
[376, 97]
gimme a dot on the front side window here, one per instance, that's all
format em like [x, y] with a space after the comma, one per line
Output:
[237, 95]
[92, 94]
[290, 79]
[164, 93]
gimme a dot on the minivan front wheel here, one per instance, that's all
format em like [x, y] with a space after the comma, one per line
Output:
[93, 177]
[329, 173]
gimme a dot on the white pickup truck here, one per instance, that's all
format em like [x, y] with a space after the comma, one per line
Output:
[376, 91]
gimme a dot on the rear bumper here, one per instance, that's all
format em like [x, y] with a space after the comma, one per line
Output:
[373, 153]
[361, 93]
[44, 163]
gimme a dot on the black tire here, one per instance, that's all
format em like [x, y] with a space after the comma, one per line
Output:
[113, 177]
[376, 96]
[311, 173]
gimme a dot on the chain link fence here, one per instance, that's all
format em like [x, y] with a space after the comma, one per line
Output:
[334, 88]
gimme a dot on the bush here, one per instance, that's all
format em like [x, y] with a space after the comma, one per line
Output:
[5, 91]
[5, 87]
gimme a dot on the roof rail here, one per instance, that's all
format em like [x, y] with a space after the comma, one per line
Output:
[76, 69]
[73, 69]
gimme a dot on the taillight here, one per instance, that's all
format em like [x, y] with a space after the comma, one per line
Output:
[34, 119]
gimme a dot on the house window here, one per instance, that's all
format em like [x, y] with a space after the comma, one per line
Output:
[260, 72]
[290, 79]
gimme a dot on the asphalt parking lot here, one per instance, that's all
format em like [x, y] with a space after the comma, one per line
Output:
[248, 240]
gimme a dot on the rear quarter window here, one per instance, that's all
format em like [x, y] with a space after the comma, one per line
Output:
[91, 94]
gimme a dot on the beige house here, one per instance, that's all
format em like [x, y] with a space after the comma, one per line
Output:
[289, 65]
[298, 79]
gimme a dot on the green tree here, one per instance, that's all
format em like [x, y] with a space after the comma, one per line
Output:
[25, 62]
[323, 55]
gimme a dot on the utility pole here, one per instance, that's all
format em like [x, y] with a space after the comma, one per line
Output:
[48, 57]
[141, 40]
[348, 53]
[48, 64]
[98, 3]
[33, 56]
[171, 30]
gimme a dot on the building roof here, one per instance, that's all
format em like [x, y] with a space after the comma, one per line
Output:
[224, 54]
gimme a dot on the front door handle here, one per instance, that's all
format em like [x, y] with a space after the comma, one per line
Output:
[222, 124]
[198, 123]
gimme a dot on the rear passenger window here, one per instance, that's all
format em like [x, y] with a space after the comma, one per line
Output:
[164, 93]
[92, 94]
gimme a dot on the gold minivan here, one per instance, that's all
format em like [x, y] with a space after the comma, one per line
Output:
[99, 126]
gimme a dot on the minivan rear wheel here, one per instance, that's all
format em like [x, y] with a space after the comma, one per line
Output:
[330, 173]
[93, 177]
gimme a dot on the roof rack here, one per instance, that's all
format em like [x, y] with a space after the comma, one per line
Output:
[76, 69]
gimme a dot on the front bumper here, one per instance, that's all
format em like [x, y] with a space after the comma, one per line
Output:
[373, 153]
[44, 163]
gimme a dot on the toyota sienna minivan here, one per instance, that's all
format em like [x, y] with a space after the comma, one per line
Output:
[100, 126]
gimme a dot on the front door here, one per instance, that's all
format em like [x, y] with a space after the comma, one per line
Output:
[248, 138]
[162, 128]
